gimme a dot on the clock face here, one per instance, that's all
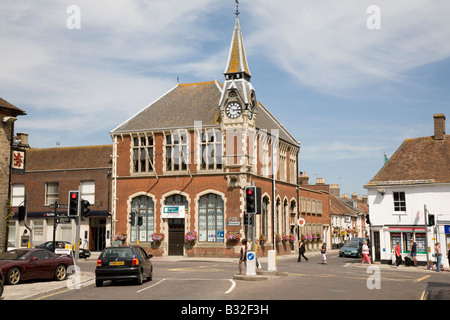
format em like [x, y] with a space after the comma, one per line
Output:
[233, 110]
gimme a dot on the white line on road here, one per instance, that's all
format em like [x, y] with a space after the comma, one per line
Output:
[151, 286]
[233, 283]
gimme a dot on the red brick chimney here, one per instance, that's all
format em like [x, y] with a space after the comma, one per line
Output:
[439, 126]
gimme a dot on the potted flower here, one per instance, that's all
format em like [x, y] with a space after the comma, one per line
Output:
[191, 236]
[156, 236]
[233, 236]
[318, 236]
[308, 237]
[284, 237]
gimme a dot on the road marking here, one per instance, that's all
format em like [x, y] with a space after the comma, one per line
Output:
[151, 286]
[233, 284]
[423, 278]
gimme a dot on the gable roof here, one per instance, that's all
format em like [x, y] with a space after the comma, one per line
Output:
[419, 160]
[185, 104]
[7, 107]
[68, 158]
[178, 108]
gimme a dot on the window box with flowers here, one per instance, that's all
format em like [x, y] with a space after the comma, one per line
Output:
[277, 237]
[191, 236]
[233, 237]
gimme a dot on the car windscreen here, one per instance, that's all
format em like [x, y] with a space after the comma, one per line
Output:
[14, 255]
[117, 253]
[351, 244]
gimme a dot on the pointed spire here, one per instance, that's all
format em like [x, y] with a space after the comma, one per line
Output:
[237, 67]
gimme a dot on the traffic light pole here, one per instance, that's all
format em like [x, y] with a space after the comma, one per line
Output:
[425, 214]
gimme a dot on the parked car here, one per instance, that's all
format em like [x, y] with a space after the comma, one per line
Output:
[82, 253]
[123, 263]
[1, 284]
[26, 264]
[351, 248]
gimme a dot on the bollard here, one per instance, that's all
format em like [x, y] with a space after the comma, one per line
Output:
[272, 260]
[251, 263]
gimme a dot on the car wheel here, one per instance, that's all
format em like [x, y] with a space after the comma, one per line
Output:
[1, 288]
[150, 277]
[98, 283]
[140, 279]
[60, 272]
[13, 276]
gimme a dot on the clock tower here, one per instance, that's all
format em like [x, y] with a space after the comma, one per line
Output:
[238, 110]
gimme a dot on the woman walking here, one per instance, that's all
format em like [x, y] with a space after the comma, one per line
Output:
[243, 255]
[323, 251]
[366, 253]
[301, 251]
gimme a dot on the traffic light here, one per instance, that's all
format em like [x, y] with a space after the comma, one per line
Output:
[140, 221]
[431, 220]
[250, 200]
[85, 208]
[132, 218]
[21, 213]
[258, 200]
[245, 218]
[74, 204]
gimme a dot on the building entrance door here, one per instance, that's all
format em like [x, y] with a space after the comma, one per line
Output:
[376, 243]
[176, 236]
[98, 234]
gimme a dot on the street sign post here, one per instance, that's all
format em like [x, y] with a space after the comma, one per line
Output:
[251, 263]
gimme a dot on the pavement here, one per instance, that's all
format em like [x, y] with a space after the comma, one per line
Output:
[30, 289]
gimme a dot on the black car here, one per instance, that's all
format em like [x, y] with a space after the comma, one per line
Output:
[123, 263]
[82, 253]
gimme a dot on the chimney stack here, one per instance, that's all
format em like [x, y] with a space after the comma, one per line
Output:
[439, 126]
[303, 179]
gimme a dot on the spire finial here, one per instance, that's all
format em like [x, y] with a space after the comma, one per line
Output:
[237, 8]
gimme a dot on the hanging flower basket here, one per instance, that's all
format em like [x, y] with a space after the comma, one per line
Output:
[277, 237]
[284, 237]
[292, 238]
[120, 236]
[156, 236]
[262, 239]
[191, 236]
[233, 236]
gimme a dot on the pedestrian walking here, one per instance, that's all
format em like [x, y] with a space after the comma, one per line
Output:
[366, 253]
[398, 255]
[414, 252]
[323, 251]
[243, 255]
[437, 250]
[301, 251]
[448, 253]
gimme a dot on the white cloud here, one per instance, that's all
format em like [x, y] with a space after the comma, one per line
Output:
[326, 45]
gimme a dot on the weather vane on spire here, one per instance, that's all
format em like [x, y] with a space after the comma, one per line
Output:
[237, 8]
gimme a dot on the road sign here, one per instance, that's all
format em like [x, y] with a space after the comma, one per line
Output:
[301, 222]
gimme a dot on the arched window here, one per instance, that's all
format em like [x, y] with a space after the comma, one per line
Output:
[145, 218]
[265, 217]
[211, 218]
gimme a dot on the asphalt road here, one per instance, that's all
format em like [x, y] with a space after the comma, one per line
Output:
[340, 279]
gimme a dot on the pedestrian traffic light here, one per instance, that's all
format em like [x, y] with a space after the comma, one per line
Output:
[74, 204]
[250, 200]
[85, 208]
[140, 221]
[245, 218]
[431, 220]
[132, 218]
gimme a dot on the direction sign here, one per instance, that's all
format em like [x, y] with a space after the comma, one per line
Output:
[250, 256]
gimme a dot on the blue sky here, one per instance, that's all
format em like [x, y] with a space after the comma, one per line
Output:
[347, 92]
